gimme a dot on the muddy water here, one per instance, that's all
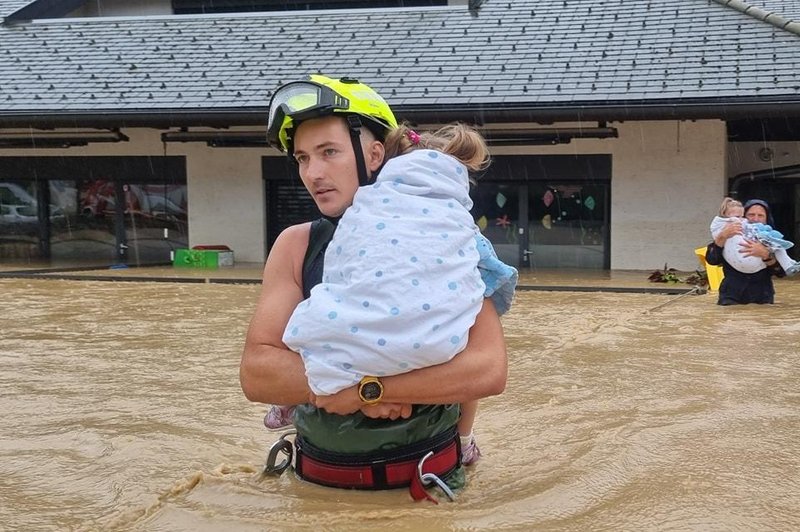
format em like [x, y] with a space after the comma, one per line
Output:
[121, 410]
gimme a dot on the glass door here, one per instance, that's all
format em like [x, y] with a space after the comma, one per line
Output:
[545, 225]
[568, 225]
[496, 211]
[19, 221]
[154, 220]
[86, 229]
[115, 222]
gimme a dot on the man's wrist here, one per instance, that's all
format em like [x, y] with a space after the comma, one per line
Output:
[370, 390]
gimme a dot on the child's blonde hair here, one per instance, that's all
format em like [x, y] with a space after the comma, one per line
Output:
[458, 140]
[727, 203]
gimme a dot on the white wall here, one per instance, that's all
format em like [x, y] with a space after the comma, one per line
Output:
[668, 181]
[226, 199]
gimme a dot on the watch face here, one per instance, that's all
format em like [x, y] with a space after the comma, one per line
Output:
[371, 391]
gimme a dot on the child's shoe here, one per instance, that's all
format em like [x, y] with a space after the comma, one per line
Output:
[794, 269]
[278, 416]
[469, 450]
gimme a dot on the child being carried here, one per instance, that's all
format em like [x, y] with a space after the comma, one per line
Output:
[732, 210]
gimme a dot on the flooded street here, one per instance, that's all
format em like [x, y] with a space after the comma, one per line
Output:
[122, 411]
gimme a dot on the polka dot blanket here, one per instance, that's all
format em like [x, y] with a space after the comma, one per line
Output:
[401, 284]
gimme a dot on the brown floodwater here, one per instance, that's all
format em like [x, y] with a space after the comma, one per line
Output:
[121, 410]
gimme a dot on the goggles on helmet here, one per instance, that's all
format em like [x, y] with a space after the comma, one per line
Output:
[322, 96]
[298, 101]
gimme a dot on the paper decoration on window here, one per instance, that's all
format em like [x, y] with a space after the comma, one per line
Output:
[548, 198]
[589, 202]
[500, 199]
[482, 223]
[504, 221]
[568, 191]
[547, 222]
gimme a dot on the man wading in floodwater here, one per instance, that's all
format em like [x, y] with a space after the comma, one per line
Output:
[372, 435]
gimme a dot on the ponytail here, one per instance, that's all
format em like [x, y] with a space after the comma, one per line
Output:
[457, 140]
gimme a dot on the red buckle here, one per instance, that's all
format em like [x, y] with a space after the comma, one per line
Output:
[396, 474]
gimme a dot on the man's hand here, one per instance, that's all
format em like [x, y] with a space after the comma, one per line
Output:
[343, 402]
[754, 249]
[387, 410]
[347, 402]
[731, 228]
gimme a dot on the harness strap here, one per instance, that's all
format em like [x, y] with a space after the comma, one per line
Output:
[319, 236]
[378, 475]
[354, 125]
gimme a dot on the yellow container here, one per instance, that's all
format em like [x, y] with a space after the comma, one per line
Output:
[714, 273]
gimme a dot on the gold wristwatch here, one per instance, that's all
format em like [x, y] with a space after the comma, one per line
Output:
[370, 390]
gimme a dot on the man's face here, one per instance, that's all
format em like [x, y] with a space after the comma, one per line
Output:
[327, 164]
[756, 214]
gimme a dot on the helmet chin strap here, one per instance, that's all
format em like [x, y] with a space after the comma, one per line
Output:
[354, 124]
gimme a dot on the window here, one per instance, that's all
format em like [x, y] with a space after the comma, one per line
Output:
[93, 209]
[186, 7]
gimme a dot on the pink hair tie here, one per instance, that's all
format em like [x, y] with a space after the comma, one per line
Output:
[413, 136]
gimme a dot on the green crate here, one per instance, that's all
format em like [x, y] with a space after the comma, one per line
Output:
[196, 258]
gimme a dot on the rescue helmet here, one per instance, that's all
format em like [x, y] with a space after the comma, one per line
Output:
[321, 96]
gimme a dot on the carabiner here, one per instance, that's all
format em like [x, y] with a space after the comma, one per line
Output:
[283, 446]
[428, 479]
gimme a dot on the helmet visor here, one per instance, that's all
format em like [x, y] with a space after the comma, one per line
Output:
[299, 101]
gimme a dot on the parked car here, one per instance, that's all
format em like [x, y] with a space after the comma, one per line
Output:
[19, 207]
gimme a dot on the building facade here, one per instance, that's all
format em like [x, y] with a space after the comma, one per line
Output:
[128, 130]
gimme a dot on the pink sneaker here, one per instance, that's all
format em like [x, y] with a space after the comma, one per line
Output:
[278, 416]
[470, 453]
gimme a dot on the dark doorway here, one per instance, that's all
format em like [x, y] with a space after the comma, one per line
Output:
[783, 196]
[288, 201]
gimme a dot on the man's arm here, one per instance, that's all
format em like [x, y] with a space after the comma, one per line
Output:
[269, 372]
[730, 229]
[757, 249]
[480, 370]
[714, 249]
[714, 254]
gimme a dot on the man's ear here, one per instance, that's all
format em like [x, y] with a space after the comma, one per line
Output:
[374, 155]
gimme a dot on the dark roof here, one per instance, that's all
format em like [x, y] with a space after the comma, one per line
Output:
[535, 59]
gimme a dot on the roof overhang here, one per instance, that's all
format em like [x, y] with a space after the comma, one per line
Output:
[719, 109]
[708, 109]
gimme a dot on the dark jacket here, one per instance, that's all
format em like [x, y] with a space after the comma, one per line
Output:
[739, 288]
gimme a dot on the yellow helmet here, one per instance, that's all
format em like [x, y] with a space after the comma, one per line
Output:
[321, 96]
